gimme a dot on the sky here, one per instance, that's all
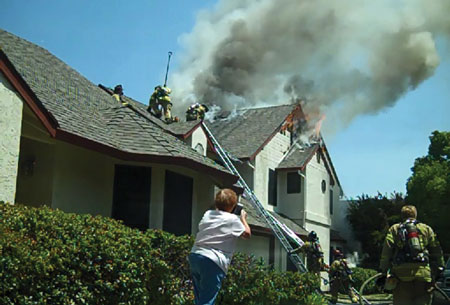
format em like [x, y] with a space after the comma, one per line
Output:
[126, 42]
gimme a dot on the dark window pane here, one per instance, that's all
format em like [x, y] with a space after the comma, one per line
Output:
[272, 187]
[177, 217]
[324, 186]
[293, 183]
[131, 195]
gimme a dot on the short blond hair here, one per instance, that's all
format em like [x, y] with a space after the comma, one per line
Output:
[225, 200]
[408, 211]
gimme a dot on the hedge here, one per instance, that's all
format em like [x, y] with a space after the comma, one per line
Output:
[51, 257]
[360, 275]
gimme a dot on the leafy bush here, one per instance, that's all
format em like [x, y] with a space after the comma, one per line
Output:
[51, 257]
[360, 275]
[250, 282]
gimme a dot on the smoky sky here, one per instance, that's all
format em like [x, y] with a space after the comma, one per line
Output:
[349, 56]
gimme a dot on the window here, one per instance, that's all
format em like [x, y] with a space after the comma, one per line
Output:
[177, 214]
[294, 183]
[331, 202]
[131, 195]
[199, 148]
[324, 186]
[272, 187]
[318, 157]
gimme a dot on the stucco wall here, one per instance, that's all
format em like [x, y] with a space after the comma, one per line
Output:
[198, 137]
[35, 177]
[83, 180]
[268, 158]
[257, 245]
[317, 202]
[10, 126]
[290, 204]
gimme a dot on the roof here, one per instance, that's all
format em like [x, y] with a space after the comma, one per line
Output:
[245, 133]
[255, 219]
[180, 129]
[298, 157]
[81, 112]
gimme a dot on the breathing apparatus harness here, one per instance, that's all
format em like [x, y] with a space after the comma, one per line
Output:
[316, 249]
[411, 250]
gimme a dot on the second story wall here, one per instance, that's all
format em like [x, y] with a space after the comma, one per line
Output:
[317, 191]
[269, 158]
[291, 202]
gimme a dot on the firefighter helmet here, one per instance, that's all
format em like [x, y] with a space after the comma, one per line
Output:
[118, 89]
[312, 236]
[337, 253]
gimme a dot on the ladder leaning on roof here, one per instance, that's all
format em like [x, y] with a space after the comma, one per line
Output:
[281, 231]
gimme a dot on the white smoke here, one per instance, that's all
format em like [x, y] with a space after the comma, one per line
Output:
[348, 57]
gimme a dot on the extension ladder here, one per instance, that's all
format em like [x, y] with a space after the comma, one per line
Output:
[280, 230]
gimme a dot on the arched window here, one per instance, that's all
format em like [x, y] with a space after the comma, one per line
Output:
[324, 186]
[199, 148]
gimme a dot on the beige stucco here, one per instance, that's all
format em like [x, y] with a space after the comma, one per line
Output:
[198, 140]
[268, 158]
[10, 126]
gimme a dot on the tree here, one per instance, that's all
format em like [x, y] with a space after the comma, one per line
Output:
[429, 187]
[370, 218]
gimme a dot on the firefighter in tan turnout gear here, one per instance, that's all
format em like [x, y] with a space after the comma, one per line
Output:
[341, 277]
[412, 255]
[160, 104]
[314, 254]
[196, 111]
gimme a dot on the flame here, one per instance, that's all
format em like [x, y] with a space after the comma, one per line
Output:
[318, 126]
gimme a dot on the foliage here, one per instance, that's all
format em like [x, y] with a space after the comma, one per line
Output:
[360, 275]
[249, 281]
[370, 218]
[51, 257]
[429, 187]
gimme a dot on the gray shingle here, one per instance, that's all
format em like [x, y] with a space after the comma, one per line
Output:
[84, 109]
[297, 157]
[245, 132]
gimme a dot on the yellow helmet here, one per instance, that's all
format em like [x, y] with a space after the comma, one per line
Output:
[167, 90]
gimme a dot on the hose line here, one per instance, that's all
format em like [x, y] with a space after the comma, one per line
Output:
[370, 279]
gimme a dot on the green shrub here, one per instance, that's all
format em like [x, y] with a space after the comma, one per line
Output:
[250, 282]
[360, 275]
[51, 257]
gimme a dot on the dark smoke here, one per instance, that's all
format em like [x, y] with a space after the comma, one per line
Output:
[349, 56]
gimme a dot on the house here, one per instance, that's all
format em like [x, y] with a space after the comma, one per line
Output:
[68, 144]
[292, 179]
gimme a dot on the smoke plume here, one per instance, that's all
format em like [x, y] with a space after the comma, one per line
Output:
[346, 57]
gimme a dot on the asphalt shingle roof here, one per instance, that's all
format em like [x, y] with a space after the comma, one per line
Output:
[256, 220]
[178, 129]
[84, 109]
[298, 156]
[245, 132]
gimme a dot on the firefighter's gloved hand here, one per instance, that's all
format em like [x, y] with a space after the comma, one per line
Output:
[381, 281]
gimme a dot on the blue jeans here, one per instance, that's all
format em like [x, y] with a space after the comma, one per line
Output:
[207, 278]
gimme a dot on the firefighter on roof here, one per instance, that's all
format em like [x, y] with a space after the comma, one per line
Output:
[196, 111]
[412, 253]
[160, 104]
[341, 277]
[314, 254]
[118, 94]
